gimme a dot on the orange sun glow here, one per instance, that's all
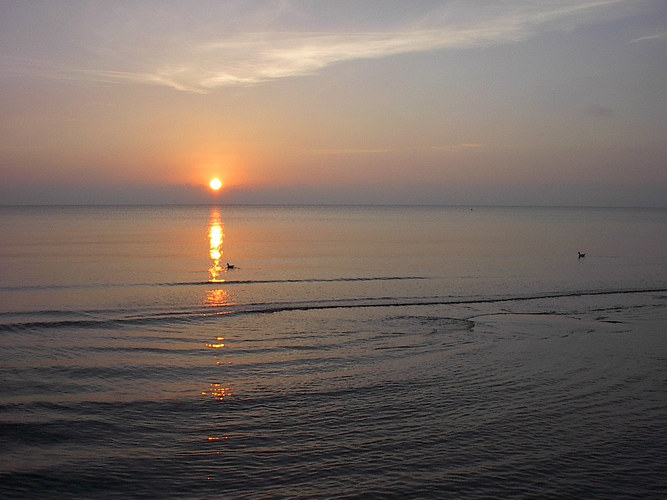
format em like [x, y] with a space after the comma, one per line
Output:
[215, 184]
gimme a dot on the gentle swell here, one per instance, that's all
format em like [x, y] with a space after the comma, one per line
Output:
[210, 282]
[137, 317]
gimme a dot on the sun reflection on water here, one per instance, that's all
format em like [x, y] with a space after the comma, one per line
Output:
[216, 237]
[218, 298]
[217, 391]
[218, 345]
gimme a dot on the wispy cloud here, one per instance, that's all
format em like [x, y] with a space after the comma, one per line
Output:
[658, 36]
[598, 111]
[350, 151]
[360, 151]
[458, 147]
[194, 62]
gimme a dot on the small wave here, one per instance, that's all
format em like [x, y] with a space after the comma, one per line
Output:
[20, 288]
[314, 280]
[141, 317]
[416, 301]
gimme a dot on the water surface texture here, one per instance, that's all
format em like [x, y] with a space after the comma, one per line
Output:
[352, 352]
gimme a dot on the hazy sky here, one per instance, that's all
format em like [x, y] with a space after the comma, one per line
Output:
[560, 102]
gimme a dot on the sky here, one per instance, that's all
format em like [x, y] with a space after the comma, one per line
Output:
[473, 102]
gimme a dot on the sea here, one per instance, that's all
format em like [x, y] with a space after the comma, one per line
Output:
[350, 352]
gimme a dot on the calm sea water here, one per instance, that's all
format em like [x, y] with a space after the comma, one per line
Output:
[350, 353]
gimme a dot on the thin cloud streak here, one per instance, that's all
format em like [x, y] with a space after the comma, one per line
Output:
[353, 151]
[598, 111]
[659, 36]
[257, 58]
[202, 65]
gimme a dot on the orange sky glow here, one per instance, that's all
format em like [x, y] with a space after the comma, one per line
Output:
[355, 102]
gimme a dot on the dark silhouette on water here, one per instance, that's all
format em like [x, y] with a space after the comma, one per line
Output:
[580, 255]
[230, 266]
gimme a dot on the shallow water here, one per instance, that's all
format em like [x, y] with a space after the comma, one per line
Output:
[351, 352]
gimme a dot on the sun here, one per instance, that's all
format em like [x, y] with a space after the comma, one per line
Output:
[215, 184]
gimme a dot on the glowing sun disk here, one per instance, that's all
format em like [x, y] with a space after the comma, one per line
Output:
[215, 184]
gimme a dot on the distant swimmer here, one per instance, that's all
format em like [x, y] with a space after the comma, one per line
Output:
[580, 255]
[231, 266]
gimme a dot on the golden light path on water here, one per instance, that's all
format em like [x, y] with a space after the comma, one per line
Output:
[216, 237]
[216, 298]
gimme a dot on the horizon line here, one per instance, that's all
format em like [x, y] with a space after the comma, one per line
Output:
[342, 205]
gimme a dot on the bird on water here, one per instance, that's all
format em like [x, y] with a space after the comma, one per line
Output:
[581, 255]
